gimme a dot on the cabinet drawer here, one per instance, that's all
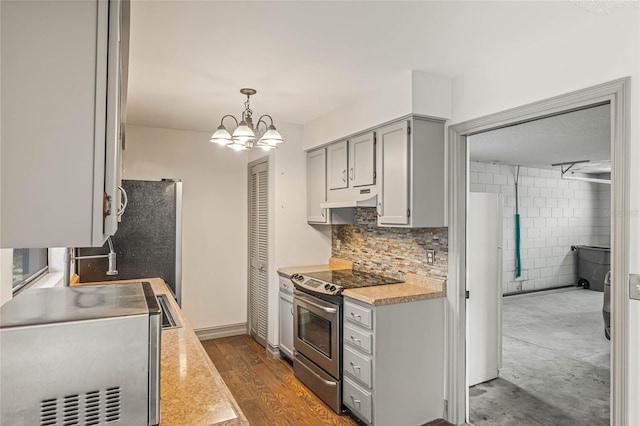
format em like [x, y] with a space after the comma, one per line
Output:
[357, 399]
[358, 338]
[358, 314]
[357, 365]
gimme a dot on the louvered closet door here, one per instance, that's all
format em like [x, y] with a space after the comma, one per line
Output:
[258, 251]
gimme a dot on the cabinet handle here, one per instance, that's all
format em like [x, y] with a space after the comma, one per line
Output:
[379, 209]
[344, 175]
[355, 401]
[356, 340]
[355, 366]
[123, 203]
[353, 314]
[322, 212]
[351, 173]
[292, 311]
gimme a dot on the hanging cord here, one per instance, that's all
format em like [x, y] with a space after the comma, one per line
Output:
[518, 254]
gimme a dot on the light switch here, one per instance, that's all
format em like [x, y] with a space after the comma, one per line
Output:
[634, 286]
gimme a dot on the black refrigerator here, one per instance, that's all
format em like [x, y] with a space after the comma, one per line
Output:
[148, 242]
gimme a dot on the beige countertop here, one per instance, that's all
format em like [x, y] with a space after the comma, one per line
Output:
[191, 389]
[416, 287]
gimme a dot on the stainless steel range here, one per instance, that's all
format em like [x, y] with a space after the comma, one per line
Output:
[317, 321]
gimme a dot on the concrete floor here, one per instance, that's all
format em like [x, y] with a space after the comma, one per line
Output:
[555, 365]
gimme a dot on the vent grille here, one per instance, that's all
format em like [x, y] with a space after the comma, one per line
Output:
[49, 412]
[90, 409]
[71, 410]
[112, 413]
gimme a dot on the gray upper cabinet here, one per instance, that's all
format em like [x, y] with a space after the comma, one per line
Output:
[317, 186]
[393, 175]
[362, 160]
[337, 162]
[410, 174]
[62, 102]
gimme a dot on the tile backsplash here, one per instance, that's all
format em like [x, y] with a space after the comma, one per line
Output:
[390, 251]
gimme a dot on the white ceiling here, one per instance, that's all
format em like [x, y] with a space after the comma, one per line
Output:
[574, 136]
[188, 59]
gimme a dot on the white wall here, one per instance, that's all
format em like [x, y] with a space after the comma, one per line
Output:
[406, 93]
[214, 273]
[584, 57]
[292, 241]
[215, 217]
[554, 215]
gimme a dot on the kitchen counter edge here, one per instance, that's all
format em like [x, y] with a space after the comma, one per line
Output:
[192, 390]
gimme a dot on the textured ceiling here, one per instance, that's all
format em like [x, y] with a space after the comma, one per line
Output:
[188, 59]
[574, 136]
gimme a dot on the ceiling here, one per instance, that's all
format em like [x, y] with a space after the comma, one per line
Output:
[574, 136]
[188, 59]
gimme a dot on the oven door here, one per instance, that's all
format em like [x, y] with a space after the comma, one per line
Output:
[317, 331]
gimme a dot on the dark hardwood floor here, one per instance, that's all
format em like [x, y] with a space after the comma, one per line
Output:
[265, 388]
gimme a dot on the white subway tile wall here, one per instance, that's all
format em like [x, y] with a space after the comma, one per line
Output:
[554, 215]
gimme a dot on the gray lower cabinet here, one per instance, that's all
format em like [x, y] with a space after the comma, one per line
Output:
[286, 317]
[393, 361]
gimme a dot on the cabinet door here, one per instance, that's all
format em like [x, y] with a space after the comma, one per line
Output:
[316, 186]
[393, 174]
[362, 160]
[54, 91]
[337, 165]
[286, 325]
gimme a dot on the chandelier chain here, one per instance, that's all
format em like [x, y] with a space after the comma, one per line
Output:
[247, 109]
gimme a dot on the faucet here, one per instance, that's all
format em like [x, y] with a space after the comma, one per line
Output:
[68, 258]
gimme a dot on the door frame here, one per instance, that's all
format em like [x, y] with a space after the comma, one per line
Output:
[250, 165]
[617, 93]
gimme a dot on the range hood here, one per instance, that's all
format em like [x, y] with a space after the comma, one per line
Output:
[368, 199]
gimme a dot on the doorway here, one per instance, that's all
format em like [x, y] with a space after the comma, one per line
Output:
[258, 288]
[555, 356]
[617, 94]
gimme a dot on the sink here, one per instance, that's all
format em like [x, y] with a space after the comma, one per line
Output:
[169, 318]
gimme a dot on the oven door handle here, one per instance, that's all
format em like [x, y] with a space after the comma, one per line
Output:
[324, 308]
[326, 382]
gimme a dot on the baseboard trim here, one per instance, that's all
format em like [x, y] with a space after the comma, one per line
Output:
[222, 331]
[273, 351]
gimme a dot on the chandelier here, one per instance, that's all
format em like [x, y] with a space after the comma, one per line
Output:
[245, 135]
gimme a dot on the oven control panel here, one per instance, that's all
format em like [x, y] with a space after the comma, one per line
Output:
[315, 285]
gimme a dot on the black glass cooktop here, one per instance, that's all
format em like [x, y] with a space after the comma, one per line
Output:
[348, 278]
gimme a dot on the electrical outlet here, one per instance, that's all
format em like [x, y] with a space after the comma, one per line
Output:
[634, 286]
[338, 244]
[431, 257]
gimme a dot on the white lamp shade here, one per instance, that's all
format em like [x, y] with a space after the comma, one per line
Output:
[243, 133]
[271, 137]
[221, 136]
